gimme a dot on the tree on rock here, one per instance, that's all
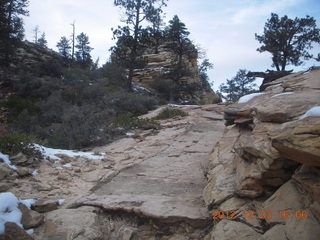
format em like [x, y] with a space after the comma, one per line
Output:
[178, 36]
[42, 41]
[288, 40]
[11, 26]
[238, 86]
[64, 47]
[83, 54]
[203, 69]
[132, 36]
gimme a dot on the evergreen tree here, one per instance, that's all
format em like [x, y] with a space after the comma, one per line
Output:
[156, 32]
[178, 36]
[238, 86]
[36, 32]
[11, 27]
[42, 42]
[203, 69]
[132, 36]
[64, 47]
[288, 39]
[83, 54]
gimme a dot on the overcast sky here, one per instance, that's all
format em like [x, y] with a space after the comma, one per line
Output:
[223, 28]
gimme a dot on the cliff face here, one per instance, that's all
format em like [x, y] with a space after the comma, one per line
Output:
[158, 76]
[268, 162]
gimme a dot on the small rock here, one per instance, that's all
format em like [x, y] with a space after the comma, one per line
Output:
[4, 187]
[43, 206]
[24, 172]
[21, 160]
[63, 176]
[4, 171]
[30, 219]
[14, 232]
[43, 187]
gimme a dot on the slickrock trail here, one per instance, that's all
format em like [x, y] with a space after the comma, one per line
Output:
[167, 180]
[149, 187]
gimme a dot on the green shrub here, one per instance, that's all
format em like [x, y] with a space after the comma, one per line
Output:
[170, 113]
[129, 122]
[19, 143]
[135, 104]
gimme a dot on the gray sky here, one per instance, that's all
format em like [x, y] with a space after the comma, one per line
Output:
[223, 28]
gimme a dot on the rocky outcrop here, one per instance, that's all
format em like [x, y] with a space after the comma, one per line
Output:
[157, 76]
[267, 163]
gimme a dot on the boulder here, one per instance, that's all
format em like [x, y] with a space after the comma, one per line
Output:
[4, 171]
[65, 224]
[30, 219]
[24, 172]
[45, 205]
[299, 141]
[230, 230]
[14, 232]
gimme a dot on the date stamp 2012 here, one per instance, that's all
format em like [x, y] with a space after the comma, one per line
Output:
[261, 214]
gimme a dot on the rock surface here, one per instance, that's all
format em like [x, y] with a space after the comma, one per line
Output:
[269, 157]
[149, 186]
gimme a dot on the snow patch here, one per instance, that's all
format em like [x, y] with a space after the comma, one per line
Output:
[9, 211]
[35, 173]
[129, 134]
[61, 201]
[51, 153]
[68, 165]
[7, 161]
[28, 202]
[138, 89]
[248, 97]
[312, 112]
[281, 94]
[181, 105]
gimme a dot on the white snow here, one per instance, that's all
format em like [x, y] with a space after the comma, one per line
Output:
[9, 211]
[138, 88]
[30, 231]
[7, 161]
[61, 201]
[129, 134]
[28, 202]
[281, 94]
[35, 173]
[248, 97]
[312, 112]
[181, 105]
[51, 153]
[68, 165]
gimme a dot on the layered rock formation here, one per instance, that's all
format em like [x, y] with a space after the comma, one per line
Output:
[266, 166]
[161, 65]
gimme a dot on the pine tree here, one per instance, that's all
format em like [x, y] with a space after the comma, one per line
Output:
[42, 42]
[36, 32]
[64, 47]
[238, 86]
[203, 69]
[11, 27]
[132, 36]
[178, 36]
[83, 54]
[288, 40]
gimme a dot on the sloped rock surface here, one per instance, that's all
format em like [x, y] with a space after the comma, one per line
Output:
[274, 160]
[168, 184]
